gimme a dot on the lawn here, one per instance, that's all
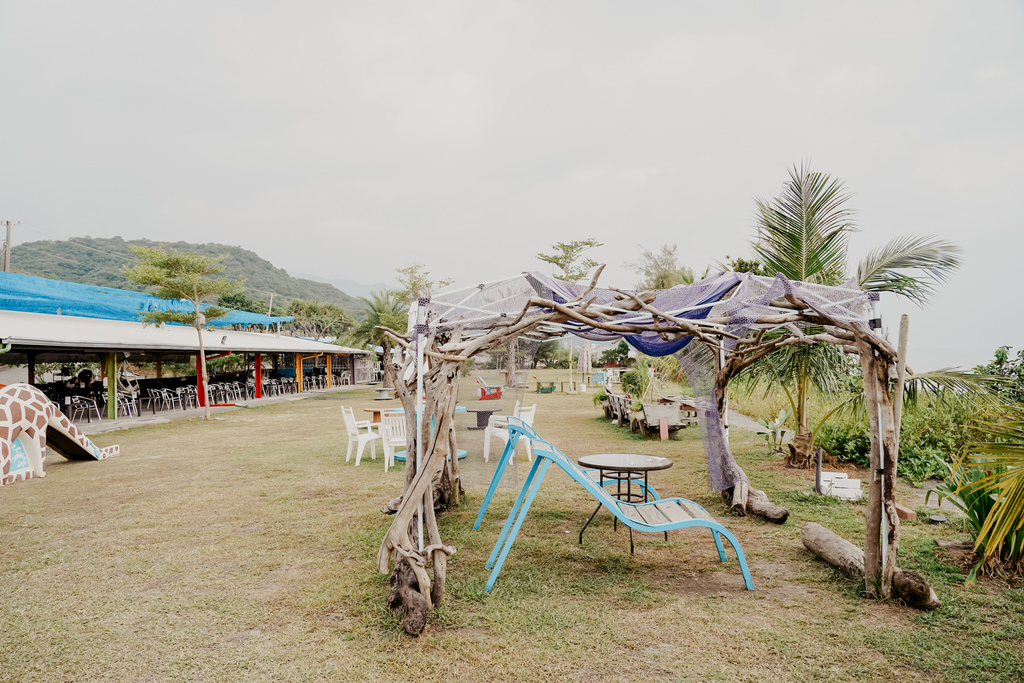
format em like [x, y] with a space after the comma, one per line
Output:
[243, 549]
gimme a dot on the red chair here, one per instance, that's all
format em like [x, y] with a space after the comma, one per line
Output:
[489, 391]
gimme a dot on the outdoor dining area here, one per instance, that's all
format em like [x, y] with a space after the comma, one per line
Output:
[481, 429]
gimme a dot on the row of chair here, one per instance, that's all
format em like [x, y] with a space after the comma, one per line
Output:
[390, 432]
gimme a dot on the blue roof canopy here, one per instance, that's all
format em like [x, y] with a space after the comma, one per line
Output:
[56, 297]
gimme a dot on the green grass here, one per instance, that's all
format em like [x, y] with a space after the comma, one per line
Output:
[244, 549]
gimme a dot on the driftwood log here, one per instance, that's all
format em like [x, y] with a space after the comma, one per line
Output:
[743, 499]
[907, 585]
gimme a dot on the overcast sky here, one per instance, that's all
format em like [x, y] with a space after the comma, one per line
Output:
[348, 139]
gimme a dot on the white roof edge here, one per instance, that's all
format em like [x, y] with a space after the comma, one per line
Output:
[62, 331]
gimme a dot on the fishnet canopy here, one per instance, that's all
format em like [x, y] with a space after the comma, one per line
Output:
[736, 305]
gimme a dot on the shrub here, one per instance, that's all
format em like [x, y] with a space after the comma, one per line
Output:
[932, 434]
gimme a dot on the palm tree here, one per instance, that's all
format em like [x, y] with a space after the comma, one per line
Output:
[804, 235]
[385, 309]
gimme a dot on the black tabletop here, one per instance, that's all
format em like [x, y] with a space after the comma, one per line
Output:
[625, 462]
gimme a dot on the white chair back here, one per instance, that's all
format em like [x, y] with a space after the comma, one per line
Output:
[349, 415]
[527, 414]
[392, 427]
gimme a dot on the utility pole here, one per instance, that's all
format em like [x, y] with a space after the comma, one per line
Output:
[7, 248]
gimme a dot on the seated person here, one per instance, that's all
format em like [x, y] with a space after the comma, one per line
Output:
[82, 382]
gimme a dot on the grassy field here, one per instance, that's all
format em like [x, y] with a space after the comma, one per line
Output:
[243, 549]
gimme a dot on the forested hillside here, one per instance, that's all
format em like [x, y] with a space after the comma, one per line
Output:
[98, 261]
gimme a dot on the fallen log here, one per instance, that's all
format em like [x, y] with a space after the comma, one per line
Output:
[745, 500]
[908, 586]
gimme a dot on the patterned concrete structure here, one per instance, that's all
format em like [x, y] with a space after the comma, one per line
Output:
[29, 422]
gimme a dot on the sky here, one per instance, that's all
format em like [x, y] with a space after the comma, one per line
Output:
[347, 139]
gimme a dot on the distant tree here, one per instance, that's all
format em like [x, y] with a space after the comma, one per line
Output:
[617, 354]
[1011, 369]
[240, 302]
[183, 276]
[318, 319]
[415, 282]
[661, 270]
[567, 258]
[741, 265]
[551, 353]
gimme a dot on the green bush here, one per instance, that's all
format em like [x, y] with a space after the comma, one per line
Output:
[932, 434]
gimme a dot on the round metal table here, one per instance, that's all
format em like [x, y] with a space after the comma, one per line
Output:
[623, 468]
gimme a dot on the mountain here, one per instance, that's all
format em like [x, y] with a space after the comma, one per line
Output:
[349, 286]
[98, 261]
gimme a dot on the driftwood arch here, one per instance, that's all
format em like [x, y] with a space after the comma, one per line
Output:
[716, 328]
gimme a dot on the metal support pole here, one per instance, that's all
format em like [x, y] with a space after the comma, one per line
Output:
[419, 418]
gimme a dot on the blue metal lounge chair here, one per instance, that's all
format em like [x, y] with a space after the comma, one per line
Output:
[506, 457]
[656, 516]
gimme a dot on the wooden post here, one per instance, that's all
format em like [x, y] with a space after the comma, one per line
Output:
[159, 367]
[298, 371]
[258, 389]
[200, 393]
[901, 369]
[31, 360]
[111, 363]
[873, 515]
[329, 378]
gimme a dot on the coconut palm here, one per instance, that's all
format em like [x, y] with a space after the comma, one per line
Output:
[384, 309]
[804, 235]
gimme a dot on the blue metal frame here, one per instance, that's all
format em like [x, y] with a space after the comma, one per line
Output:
[506, 457]
[548, 454]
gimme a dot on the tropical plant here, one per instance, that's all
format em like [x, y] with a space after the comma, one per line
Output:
[993, 468]
[239, 301]
[637, 381]
[384, 309]
[183, 276]
[804, 235]
[775, 429]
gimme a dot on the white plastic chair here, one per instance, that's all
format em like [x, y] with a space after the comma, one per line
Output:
[392, 430]
[353, 427]
[497, 427]
[83, 406]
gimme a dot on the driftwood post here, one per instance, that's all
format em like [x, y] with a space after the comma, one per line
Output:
[880, 554]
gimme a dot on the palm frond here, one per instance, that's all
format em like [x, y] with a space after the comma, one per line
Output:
[898, 267]
[803, 232]
[1001, 458]
[952, 386]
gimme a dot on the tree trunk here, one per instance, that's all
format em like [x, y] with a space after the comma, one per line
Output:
[907, 585]
[742, 498]
[511, 379]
